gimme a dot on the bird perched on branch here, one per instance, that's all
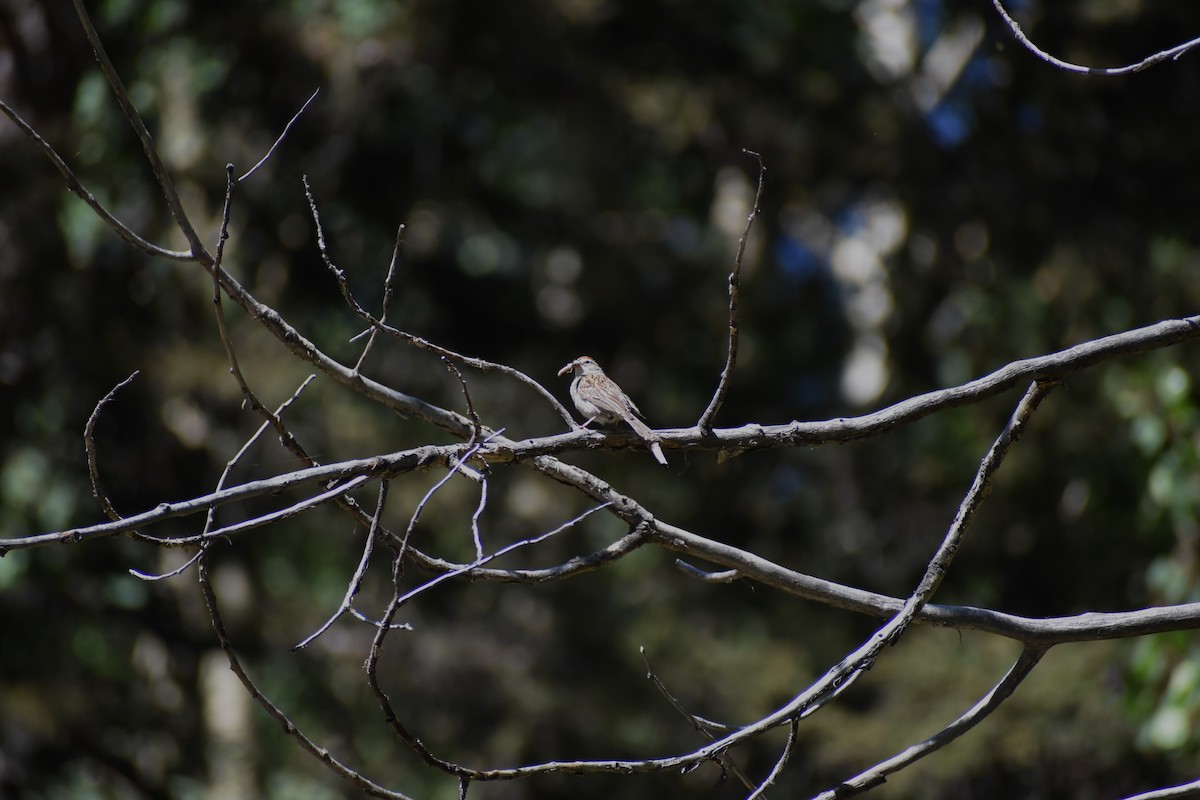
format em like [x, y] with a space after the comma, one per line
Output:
[599, 399]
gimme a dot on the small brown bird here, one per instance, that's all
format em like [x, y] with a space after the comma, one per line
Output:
[598, 398]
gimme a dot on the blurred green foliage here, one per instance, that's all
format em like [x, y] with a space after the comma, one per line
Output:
[571, 177]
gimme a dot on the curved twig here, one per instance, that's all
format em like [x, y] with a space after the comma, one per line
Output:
[89, 446]
[1171, 54]
[79, 190]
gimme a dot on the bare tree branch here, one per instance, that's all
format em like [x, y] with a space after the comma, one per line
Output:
[359, 572]
[282, 136]
[212, 510]
[1089, 626]
[89, 446]
[714, 405]
[377, 466]
[1050, 367]
[477, 428]
[289, 727]
[1172, 793]
[165, 182]
[417, 341]
[1171, 54]
[788, 748]
[282, 514]
[485, 450]
[78, 189]
[483, 559]
[876, 775]
[702, 726]
[389, 289]
[385, 704]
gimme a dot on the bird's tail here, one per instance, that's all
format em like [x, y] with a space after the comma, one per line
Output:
[643, 430]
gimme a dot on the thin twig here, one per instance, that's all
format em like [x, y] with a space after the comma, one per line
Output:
[417, 341]
[1165, 55]
[837, 679]
[360, 572]
[273, 418]
[231, 463]
[281, 514]
[320, 753]
[788, 748]
[279, 141]
[476, 536]
[165, 182]
[575, 566]
[77, 188]
[1020, 670]
[843, 674]
[714, 405]
[375, 623]
[483, 559]
[385, 704]
[704, 727]
[89, 446]
[453, 370]
[389, 289]
[458, 466]
[235, 369]
[162, 576]
[93, 461]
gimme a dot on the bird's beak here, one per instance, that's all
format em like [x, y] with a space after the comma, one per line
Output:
[566, 369]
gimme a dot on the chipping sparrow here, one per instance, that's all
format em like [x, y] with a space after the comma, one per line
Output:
[598, 398]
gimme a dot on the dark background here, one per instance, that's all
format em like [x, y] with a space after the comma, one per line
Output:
[572, 181]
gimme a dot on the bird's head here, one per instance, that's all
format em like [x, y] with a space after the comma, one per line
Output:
[584, 365]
